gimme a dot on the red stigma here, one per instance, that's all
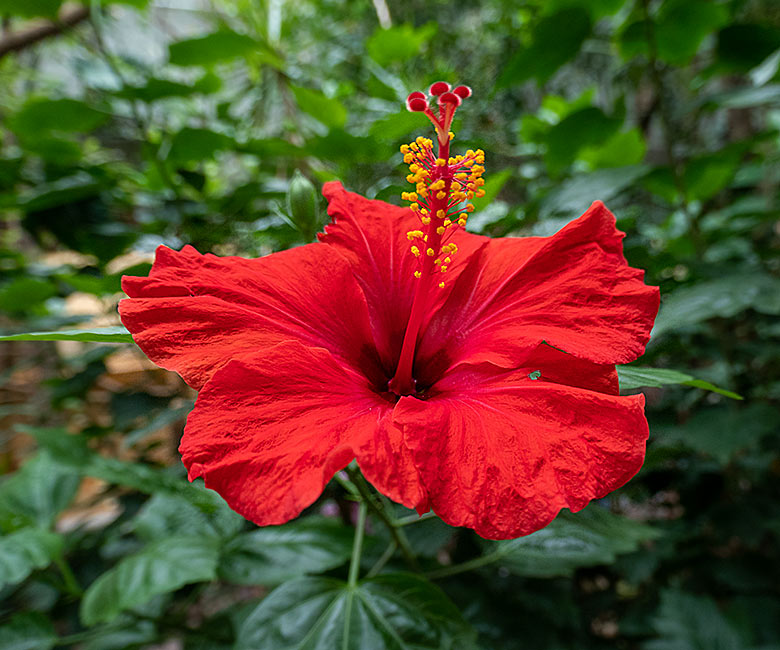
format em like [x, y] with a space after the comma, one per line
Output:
[448, 100]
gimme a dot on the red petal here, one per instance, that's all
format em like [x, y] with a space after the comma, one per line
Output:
[270, 430]
[196, 312]
[502, 454]
[573, 290]
[371, 235]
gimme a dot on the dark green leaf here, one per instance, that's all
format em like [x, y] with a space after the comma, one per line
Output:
[746, 97]
[161, 567]
[36, 493]
[25, 550]
[688, 622]
[682, 25]
[155, 89]
[587, 127]
[56, 115]
[392, 612]
[329, 111]
[725, 297]
[216, 47]
[567, 29]
[30, 8]
[28, 631]
[116, 334]
[274, 554]
[191, 144]
[165, 515]
[632, 377]
[742, 47]
[23, 293]
[591, 537]
[398, 43]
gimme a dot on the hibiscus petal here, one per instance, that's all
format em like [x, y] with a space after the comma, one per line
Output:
[371, 235]
[196, 312]
[502, 452]
[573, 290]
[268, 432]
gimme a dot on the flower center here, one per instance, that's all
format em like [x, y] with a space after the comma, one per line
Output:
[444, 185]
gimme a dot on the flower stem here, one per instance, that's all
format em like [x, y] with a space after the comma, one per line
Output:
[357, 545]
[398, 535]
[476, 563]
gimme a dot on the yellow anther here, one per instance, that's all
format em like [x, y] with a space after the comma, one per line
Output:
[462, 223]
[413, 146]
[469, 162]
[423, 211]
[430, 252]
[447, 223]
[426, 220]
[438, 185]
[441, 285]
[415, 251]
[437, 261]
[410, 178]
[480, 193]
[462, 177]
[443, 268]
[469, 195]
[414, 168]
[469, 207]
[455, 186]
[479, 182]
[470, 153]
[414, 234]
[441, 195]
[440, 213]
[440, 162]
[415, 207]
[404, 148]
[420, 140]
[417, 274]
[451, 135]
[447, 260]
[440, 230]
[408, 157]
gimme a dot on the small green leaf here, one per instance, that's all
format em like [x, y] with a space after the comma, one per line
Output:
[741, 47]
[161, 567]
[216, 47]
[23, 293]
[567, 29]
[591, 537]
[632, 377]
[25, 550]
[191, 144]
[398, 43]
[36, 493]
[30, 8]
[56, 115]
[682, 25]
[393, 612]
[274, 554]
[28, 631]
[329, 111]
[116, 334]
[165, 515]
[623, 148]
[588, 127]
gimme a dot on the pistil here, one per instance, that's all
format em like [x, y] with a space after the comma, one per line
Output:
[442, 185]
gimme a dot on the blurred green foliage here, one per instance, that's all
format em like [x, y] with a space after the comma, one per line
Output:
[208, 124]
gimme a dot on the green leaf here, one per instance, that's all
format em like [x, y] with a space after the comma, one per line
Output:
[28, 631]
[572, 197]
[271, 555]
[744, 46]
[724, 297]
[216, 47]
[688, 622]
[36, 493]
[567, 29]
[392, 612]
[397, 125]
[165, 515]
[329, 111]
[587, 127]
[707, 175]
[721, 432]
[493, 185]
[39, 115]
[30, 8]
[160, 568]
[682, 25]
[632, 377]
[23, 293]
[624, 148]
[25, 550]
[191, 144]
[591, 537]
[155, 89]
[746, 97]
[398, 43]
[116, 334]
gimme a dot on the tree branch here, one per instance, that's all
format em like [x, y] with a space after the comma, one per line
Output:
[19, 40]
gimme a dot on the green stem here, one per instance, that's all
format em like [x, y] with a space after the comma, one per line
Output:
[379, 511]
[384, 559]
[357, 546]
[476, 563]
[71, 584]
[414, 519]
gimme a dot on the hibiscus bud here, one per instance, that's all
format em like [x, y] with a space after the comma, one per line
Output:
[302, 204]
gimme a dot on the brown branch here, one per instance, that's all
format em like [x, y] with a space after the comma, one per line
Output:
[24, 38]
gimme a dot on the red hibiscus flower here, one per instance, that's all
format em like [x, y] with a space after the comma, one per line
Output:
[469, 375]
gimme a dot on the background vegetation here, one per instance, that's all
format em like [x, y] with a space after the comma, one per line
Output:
[130, 124]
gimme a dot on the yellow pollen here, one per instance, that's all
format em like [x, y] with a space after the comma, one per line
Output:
[469, 207]
[417, 274]
[430, 252]
[409, 157]
[469, 195]
[462, 223]
[441, 285]
[441, 195]
[443, 268]
[480, 193]
[415, 251]
[447, 223]
[426, 220]
[455, 186]
[451, 135]
[412, 234]
[440, 213]
[447, 260]
[440, 230]
[415, 207]
[440, 162]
